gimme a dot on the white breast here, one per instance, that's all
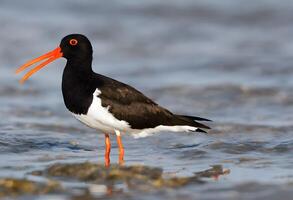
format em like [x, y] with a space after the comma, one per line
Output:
[100, 118]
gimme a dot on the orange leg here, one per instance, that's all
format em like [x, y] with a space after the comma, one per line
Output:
[121, 150]
[107, 150]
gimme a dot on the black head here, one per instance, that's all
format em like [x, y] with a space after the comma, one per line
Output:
[76, 47]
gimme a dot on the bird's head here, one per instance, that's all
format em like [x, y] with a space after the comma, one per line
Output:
[74, 47]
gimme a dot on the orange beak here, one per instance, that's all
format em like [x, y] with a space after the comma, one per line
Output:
[50, 56]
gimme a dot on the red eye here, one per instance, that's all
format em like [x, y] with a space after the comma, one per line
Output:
[73, 42]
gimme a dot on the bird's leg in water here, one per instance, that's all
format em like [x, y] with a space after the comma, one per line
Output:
[107, 150]
[121, 148]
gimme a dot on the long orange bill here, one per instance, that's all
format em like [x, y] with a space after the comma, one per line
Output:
[50, 56]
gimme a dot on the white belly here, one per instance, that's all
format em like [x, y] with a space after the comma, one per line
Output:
[99, 117]
[136, 133]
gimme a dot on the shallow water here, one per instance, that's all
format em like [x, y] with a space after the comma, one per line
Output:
[230, 61]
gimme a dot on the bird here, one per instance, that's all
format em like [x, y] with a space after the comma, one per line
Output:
[105, 104]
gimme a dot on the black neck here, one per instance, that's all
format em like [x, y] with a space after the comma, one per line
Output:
[76, 85]
[82, 67]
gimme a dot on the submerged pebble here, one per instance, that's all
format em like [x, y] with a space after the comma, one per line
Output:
[15, 187]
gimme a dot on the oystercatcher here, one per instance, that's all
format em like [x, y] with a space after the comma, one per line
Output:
[105, 104]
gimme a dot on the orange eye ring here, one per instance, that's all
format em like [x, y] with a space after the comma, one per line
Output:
[73, 42]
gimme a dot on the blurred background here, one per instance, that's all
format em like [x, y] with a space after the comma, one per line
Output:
[229, 60]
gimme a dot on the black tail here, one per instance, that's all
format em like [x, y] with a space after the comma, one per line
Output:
[196, 118]
[200, 130]
[191, 121]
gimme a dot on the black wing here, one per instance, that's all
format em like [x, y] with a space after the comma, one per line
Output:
[128, 104]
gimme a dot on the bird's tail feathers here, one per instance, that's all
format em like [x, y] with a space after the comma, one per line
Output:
[200, 130]
[191, 121]
[196, 118]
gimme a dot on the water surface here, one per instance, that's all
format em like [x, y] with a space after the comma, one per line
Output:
[230, 61]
